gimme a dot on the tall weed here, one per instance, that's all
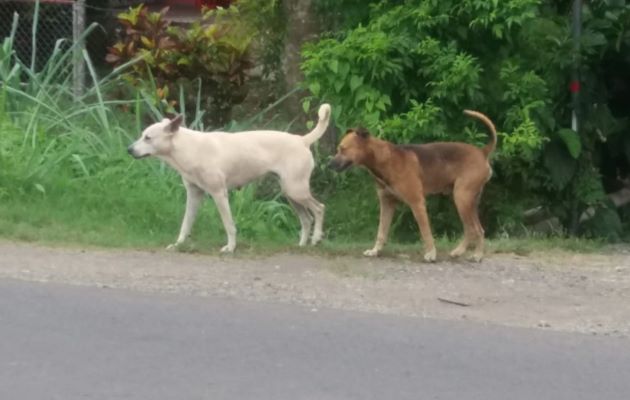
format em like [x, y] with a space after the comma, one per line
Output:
[64, 167]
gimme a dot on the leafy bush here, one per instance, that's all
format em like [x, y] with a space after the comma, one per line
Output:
[212, 51]
[410, 69]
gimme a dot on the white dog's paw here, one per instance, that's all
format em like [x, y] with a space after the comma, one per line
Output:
[430, 255]
[172, 246]
[317, 237]
[371, 253]
[228, 248]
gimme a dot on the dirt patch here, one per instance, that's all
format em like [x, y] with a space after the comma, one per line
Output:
[557, 291]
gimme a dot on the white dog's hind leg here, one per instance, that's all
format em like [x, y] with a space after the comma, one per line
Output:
[194, 195]
[317, 209]
[306, 220]
[295, 183]
[221, 199]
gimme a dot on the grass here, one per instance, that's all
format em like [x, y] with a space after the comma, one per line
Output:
[65, 174]
[65, 178]
[61, 221]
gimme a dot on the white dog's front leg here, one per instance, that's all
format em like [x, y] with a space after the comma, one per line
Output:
[194, 195]
[223, 205]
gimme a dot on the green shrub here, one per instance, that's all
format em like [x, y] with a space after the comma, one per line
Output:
[211, 55]
[409, 69]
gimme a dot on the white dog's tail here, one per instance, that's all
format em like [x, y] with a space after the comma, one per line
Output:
[322, 124]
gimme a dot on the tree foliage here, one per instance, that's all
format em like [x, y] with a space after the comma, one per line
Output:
[409, 70]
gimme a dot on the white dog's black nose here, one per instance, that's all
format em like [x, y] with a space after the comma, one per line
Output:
[130, 150]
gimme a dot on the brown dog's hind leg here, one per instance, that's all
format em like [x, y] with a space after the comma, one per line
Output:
[466, 201]
[420, 213]
[388, 206]
[479, 232]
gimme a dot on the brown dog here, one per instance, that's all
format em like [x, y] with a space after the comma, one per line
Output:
[410, 172]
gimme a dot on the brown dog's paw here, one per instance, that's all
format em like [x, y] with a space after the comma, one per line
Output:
[477, 257]
[430, 255]
[458, 251]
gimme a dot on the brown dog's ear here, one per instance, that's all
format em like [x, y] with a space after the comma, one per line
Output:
[362, 132]
[175, 123]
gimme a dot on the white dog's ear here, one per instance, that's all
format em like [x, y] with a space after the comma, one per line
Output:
[175, 123]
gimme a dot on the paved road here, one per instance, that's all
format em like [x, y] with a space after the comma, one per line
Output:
[66, 343]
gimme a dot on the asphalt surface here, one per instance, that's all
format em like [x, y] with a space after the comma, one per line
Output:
[65, 342]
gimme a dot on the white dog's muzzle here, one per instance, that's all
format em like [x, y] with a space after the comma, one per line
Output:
[132, 151]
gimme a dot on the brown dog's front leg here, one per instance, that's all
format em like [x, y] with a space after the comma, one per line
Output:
[388, 206]
[420, 213]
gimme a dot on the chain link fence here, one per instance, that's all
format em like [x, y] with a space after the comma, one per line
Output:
[61, 19]
[54, 22]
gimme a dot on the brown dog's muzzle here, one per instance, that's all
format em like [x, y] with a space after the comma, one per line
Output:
[338, 163]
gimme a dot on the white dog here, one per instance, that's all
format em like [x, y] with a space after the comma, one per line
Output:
[218, 161]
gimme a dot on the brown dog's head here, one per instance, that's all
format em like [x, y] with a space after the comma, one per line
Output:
[352, 150]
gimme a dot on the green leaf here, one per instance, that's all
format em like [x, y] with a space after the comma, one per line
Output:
[559, 163]
[40, 188]
[148, 43]
[362, 94]
[572, 140]
[77, 158]
[306, 105]
[334, 66]
[314, 87]
[605, 223]
[355, 82]
[338, 86]
[344, 70]
[373, 118]
[336, 111]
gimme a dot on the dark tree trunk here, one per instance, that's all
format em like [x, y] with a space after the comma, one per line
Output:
[303, 25]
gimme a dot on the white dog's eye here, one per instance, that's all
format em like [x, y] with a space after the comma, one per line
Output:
[146, 138]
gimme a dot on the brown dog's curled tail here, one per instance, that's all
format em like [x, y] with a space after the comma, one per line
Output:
[492, 144]
[320, 128]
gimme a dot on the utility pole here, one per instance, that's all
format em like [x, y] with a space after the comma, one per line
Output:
[575, 81]
[78, 64]
[575, 88]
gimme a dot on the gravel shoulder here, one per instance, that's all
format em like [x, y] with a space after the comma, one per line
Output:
[587, 293]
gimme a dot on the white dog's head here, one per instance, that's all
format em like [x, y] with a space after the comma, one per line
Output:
[156, 139]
